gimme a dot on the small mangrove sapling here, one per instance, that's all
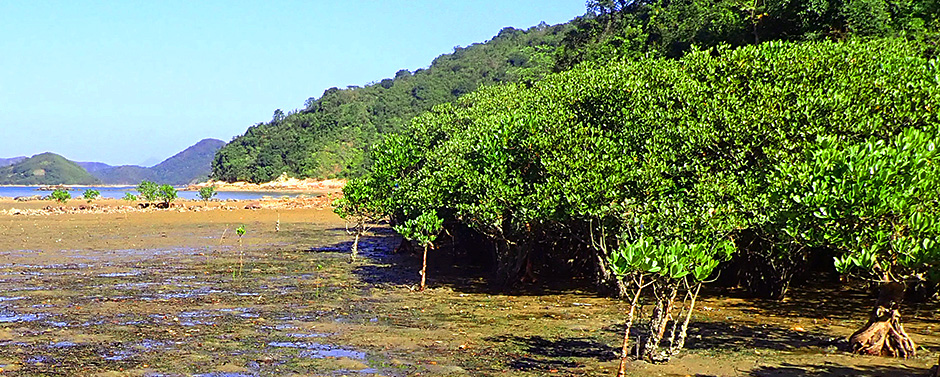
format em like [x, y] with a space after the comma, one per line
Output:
[166, 194]
[61, 196]
[356, 210]
[240, 231]
[423, 229]
[90, 195]
[148, 191]
[206, 193]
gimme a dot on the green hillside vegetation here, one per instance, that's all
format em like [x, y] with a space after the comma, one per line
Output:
[330, 136]
[123, 175]
[189, 166]
[46, 169]
[618, 29]
[656, 171]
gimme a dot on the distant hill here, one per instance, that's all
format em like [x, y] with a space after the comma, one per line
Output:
[11, 161]
[93, 166]
[46, 169]
[191, 165]
[124, 175]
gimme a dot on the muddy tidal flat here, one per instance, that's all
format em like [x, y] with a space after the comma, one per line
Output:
[110, 290]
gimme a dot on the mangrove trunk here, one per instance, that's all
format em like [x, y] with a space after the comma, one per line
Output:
[884, 335]
[424, 267]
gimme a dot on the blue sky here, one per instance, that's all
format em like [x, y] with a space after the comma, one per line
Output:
[124, 82]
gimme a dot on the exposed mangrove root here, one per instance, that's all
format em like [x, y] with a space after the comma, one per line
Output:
[684, 330]
[625, 351]
[662, 314]
[668, 314]
[884, 335]
[607, 281]
[510, 262]
[358, 230]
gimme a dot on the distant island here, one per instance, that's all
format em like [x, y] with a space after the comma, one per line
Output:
[189, 166]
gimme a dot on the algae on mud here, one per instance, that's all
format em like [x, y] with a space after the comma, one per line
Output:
[152, 294]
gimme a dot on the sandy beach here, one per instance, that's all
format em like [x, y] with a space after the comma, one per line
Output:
[283, 183]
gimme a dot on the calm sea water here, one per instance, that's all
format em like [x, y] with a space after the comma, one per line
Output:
[118, 192]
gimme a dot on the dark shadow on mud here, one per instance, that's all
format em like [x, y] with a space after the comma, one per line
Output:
[790, 370]
[307, 233]
[824, 301]
[547, 354]
[375, 246]
[722, 335]
[342, 247]
[728, 336]
[394, 265]
[403, 269]
[532, 364]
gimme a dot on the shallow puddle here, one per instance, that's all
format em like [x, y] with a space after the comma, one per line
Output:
[319, 350]
[12, 317]
[304, 336]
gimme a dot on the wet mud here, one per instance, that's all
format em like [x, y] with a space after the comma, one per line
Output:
[168, 293]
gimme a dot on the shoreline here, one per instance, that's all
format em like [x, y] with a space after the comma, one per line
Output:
[281, 185]
[67, 186]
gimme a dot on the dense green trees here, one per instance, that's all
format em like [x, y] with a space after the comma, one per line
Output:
[613, 30]
[877, 201]
[659, 165]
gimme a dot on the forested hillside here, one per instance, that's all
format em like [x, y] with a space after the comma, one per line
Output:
[330, 136]
[620, 29]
